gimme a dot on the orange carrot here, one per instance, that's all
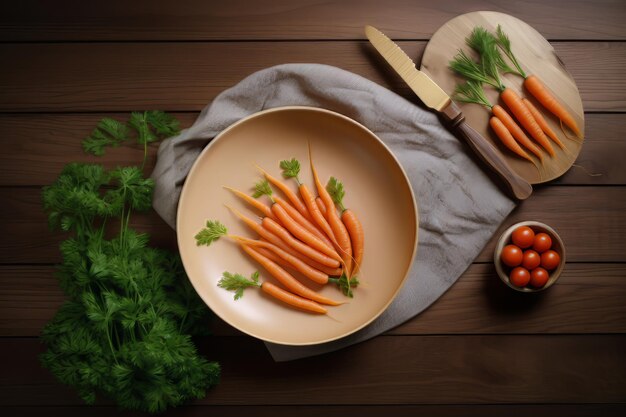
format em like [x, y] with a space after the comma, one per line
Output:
[534, 85]
[357, 237]
[547, 100]
[353, 225]
[264, 233]
[506, 138]
[253, 202]
[287, 279]
[338, 228]
[303, 234]
[321, 205]
[291, 169]
[300, 219]
[523, 115]
[304, 249]
[543, 123]
[292, 299]
[293, 197]
[309, 272]
[516, 131]
[238, 283]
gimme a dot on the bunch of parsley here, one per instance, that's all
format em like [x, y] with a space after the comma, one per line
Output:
[125, 331]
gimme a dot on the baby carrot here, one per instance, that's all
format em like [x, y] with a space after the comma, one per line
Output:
[272, 238]
[306, 270]
[291, 169]
[543, 123]
[321, 206]
[517, 132]
[523, 115]
[304, 249]
[287, 279]
[534, 85]
[253, 202]
[506, 138]
[353, 225]
[303, 234]
[238, 283]
[300, 219]
[547, 100]
[293, 197]
[338, 228]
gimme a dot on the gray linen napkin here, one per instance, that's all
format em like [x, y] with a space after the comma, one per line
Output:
[459, 206]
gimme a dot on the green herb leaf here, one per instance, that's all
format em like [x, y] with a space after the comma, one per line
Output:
[346, 285]
[505, 43]
[238, 283]
[109, 132]
[213, 231]
[471, 92]
[336, 191]
[262, 188]
[291, 168]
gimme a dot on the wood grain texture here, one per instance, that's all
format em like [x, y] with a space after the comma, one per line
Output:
[42, 143]
[537, 57]
[543, 410]
[34, 20]
[386, 370]
[187, 76]
[587, 299]
[591, 220]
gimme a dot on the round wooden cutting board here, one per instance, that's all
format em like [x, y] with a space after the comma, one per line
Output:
[536, 56]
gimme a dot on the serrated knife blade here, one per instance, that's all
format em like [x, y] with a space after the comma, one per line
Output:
[426, 89]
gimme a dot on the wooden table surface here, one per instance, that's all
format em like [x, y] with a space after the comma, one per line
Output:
[480, 350]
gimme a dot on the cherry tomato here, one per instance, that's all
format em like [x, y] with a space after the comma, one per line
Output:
[523, 237]
[550, 259]
[531, 259]
[542, 242]
[511, 255]
[519, 276]
[539, 277]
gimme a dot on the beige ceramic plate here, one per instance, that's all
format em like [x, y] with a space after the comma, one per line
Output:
[377, 189]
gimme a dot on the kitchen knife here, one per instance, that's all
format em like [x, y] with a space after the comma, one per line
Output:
[435, 98]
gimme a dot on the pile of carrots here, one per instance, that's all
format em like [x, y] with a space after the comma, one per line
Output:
[302, 233]
[487, 71]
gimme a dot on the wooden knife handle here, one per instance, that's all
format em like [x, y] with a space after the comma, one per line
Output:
[516, 186]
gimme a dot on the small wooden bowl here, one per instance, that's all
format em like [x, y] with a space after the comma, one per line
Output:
[505, 239]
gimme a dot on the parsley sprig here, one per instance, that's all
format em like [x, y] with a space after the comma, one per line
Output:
[125, 331]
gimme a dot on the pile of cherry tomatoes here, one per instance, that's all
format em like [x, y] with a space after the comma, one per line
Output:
[530, 256]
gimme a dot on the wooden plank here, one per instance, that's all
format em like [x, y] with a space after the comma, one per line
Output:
[591, 220]
[285, 19]
[41, 144]
[385, 370]
[589, 298]
[187, 76]
[517, 410]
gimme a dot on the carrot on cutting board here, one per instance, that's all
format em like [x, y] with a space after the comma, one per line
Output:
[337, 226]
[488, 72]
[542, 122]
[353, 225]
[238, 283]
[535, 86]
[472, 92]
